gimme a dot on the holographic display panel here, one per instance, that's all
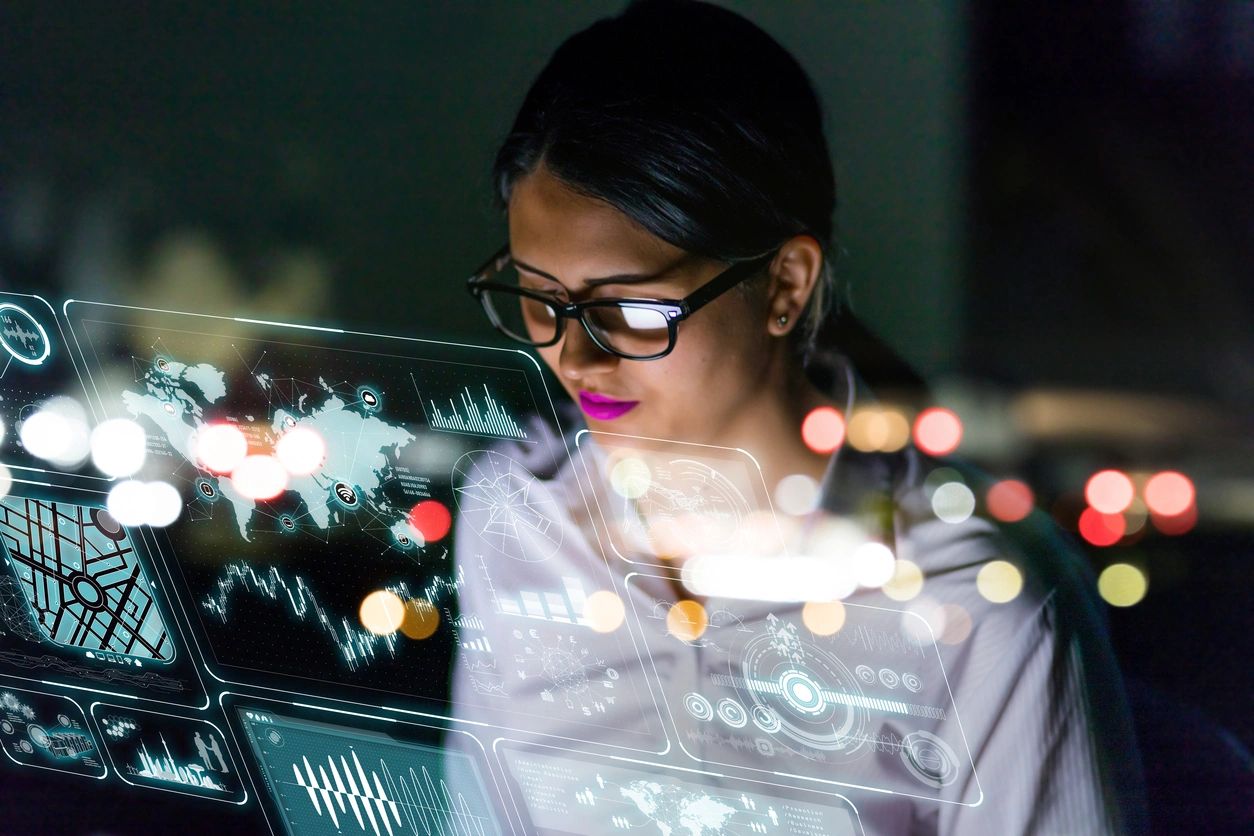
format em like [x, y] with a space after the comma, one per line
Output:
[327, 778]
[48, 732]
[559, 792]
[404, 423]
[867, 705]
[166, 752]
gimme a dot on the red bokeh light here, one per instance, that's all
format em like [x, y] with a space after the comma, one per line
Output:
[1009, 500]
[1110, 491]
[937, 431]
[1169, 494]
[1102, 529]
[1177, 524]
[823, 430]
[431, 519]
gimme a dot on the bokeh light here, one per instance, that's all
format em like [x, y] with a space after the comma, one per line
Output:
[923, 621]
[420, 620]
[1109, 491]
[999, 581]
[823, 429]
[431, 519]
[953, 502]
[823, 618]
[1122, 585]
[220, 447]
[1009, 500]
[128, 502]
[630, 477]
[603, 611]
[1102, 529]
[118, 447]
[57, 432]
[957, 624]
[937, 431]
[259, 477]
[164, 504]
[382, 612]
[687, 620]
[797, 494]
[906, 582]
[1177, 525]
[301, 451]
[878, 428]
[1169, 493]
[873, 564]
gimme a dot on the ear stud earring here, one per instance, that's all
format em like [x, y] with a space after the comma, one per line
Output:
[782, 320]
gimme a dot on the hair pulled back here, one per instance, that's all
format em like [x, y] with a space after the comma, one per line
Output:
[694, 123]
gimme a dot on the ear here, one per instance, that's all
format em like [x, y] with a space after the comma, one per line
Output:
[794, 275]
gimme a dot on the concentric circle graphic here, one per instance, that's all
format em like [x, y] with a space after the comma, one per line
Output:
[698, 706]
[929, 759]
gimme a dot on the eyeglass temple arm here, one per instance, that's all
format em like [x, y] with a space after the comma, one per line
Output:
[496, 262]
[731, 277]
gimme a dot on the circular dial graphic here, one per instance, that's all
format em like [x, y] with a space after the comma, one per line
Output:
[507, 506]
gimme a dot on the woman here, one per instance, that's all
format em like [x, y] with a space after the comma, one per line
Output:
[674, 156]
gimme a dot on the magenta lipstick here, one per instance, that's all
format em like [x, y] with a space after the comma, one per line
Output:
[603, 407]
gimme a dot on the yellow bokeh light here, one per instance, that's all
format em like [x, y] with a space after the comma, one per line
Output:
[687, 620]
[999, 581]
[382, 612]
[823, 618]
[630, 477]
[1122, 585]
[906, 582]
[878, 428]
[603, 611]
[421, 619]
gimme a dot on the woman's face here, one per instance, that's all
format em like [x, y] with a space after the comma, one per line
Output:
[565, 243]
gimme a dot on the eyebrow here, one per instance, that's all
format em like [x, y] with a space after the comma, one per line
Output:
[621, 278]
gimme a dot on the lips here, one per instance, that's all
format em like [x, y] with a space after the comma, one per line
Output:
[603, 407]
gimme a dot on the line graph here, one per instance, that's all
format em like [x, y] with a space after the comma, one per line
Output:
[356, 646]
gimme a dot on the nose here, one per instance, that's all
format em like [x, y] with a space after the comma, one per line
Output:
[581, 357]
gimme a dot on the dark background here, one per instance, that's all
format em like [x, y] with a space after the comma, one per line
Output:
[1046, 207]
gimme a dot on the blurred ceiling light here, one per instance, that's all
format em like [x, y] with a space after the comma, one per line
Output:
[1109, 491]
[823, 429]
[1169, 493]
[118, 447]
[57, 432]
[953, 502]
[301, 451]
[259, 477]
[999, 581]
[1122, 585]
[1009, 500]
[220, 447]
[797, 494]
[1102, 529]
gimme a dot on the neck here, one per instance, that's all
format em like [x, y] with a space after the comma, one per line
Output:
[769, 425]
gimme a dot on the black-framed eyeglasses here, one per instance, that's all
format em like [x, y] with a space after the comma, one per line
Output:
[634, 329]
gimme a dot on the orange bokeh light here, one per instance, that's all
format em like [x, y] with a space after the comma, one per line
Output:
[823, 429]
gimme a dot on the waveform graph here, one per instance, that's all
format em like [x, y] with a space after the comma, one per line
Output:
[510, 509]
[330, 779]
[22, 337]
[472, 412]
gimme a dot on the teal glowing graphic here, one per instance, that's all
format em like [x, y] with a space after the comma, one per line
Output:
[82, 579]
[361, 448]
[491, 419]
[22, 337]
[334, 780]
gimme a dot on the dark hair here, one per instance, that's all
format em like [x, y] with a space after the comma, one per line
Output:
[694, 123]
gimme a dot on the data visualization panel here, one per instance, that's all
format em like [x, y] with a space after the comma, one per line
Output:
[48, 732]
[562, 793]
[326, 778]
[37, 371]
[172, 753]
[864, 703]
[80, 603]
[82, 579]
[667, 500]
[321, 471]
